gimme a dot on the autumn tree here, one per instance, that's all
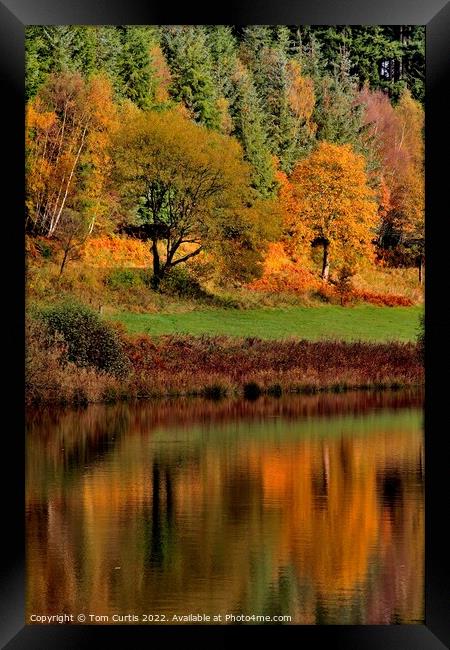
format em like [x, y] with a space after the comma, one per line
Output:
[187, 189]
[397, 138]
[162, 76]
[277, 89]
[68, 128]
[411, 117]
[331, 187]
[72, 232]
[296, 232]
[301, 98]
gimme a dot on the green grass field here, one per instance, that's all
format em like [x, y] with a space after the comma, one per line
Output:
[364, 322]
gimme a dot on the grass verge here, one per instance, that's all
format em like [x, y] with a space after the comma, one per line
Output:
[361, 322]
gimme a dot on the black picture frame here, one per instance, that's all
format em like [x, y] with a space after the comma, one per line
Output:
[435, 14]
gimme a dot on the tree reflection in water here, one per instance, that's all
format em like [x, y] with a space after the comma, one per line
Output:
[308, 506]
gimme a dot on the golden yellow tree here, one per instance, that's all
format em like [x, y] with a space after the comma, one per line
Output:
[187, 189]
[67, 138]
[301, 96]
[409, 187]
[396, 133]
[336, 202]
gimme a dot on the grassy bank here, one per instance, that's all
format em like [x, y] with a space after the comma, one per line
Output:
[361, 322]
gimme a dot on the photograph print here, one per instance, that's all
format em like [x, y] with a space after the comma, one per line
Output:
[225, 266]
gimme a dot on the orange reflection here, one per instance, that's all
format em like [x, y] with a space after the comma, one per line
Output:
[254, 511]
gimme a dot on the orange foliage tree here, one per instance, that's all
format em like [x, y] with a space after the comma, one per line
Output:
[301, 94]
[297, 233]
[336, 202]
[162, 75]
[409, 196]
[67, 138]
[396, 134]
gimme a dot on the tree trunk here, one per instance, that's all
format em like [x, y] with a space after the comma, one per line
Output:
[157, 274]
[402, 40]
[56, 217]
[65, 258]
[420, 269]
[66, 253]
[325, 263]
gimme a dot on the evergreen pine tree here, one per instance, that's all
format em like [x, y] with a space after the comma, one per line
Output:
[338, 113]
[254, 38]
[108, 53]
[135, 75]
[249, 128]
[413, 62]
[37, 64]
[223, 47]
[191, 65]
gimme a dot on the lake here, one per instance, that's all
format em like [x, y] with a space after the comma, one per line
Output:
[306, 507]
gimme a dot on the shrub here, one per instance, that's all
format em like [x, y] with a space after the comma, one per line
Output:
[43, 356]
[325, 293]
[116, 251]
[252, 390]
[79, 397]
[178, 282]
[382, 299]
[45, 249]
[51, 378]
[214, 392]
[91, 342]
[123, 279]
[146, 276]
[282, 274]
[275, 390]
[225, 302]
[110, 394]
[344, 283]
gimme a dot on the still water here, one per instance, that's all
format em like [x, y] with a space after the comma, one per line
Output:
[306, 506]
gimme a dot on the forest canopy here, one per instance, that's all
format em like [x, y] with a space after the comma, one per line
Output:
[224, 138]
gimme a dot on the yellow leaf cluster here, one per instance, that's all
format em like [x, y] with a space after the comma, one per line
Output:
[335, 200]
